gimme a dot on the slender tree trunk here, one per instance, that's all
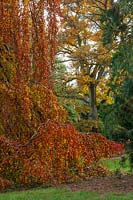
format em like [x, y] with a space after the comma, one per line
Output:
[93, 108]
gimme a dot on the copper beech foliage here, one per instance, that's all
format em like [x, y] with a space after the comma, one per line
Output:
[37, 145]
[56, 154]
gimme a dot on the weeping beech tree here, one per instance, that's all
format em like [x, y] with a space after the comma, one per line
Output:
[36, 143]
[29, 28]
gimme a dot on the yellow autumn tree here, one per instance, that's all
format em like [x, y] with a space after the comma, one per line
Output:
[80, 40]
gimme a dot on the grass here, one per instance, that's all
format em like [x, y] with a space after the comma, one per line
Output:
[61, 194]
[114, 164]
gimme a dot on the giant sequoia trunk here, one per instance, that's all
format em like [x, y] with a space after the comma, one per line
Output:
[93, 108]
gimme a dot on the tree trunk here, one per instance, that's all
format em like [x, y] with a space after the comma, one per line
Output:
[93, 115]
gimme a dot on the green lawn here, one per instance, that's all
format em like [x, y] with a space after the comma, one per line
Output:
[114, 164]
[61, 194]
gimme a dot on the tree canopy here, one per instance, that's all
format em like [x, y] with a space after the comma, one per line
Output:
[38, 145]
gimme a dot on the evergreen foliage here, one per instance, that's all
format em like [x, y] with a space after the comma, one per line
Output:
[117, 23]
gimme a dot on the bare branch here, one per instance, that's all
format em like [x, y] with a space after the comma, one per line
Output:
[100, 73]
[62, 61]
[73, 97]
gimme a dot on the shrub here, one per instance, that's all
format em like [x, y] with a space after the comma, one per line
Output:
[86, 125]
